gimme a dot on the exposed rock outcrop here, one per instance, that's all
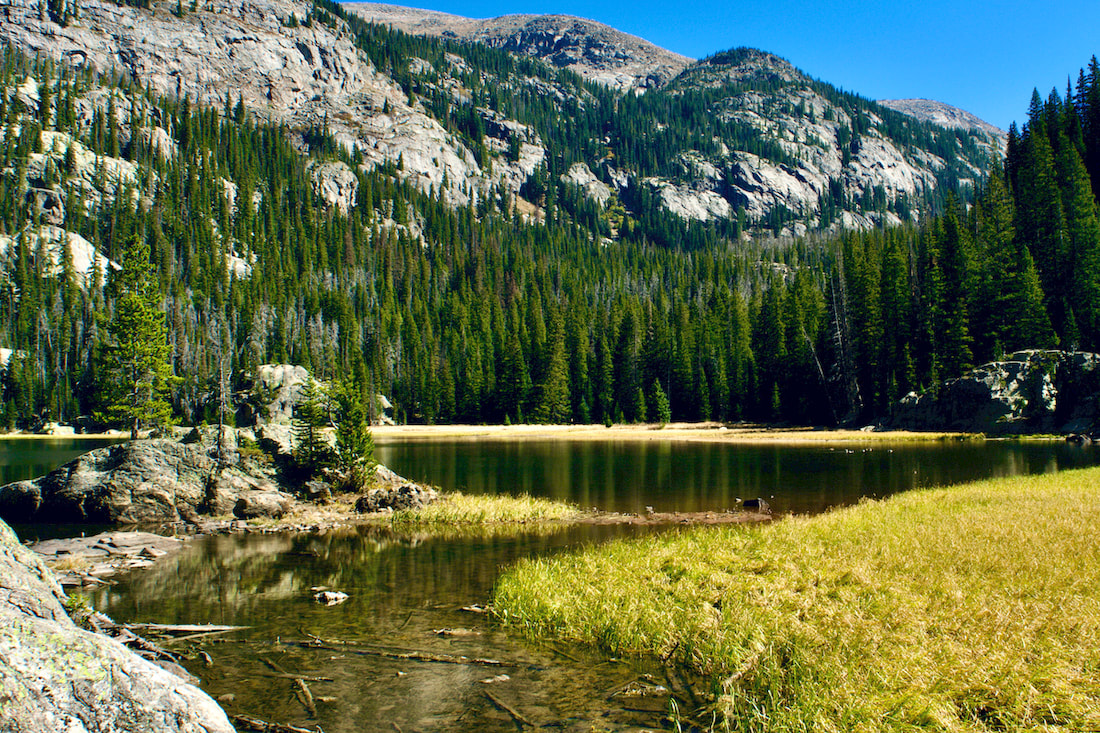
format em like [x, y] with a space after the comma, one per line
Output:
[55, 676]
[395, 498]
[287, 72]
[149, 481]
[276, 389]
[597, 52]
[1030, 392]
[944, 115]
[90, 559]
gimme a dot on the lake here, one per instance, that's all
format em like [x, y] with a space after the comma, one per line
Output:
[628, 476]
[407, 592]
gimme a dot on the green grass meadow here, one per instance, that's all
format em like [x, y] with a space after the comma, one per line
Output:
[970, 608]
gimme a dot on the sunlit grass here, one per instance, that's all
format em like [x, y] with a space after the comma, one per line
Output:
[972, 608]
[458, 508]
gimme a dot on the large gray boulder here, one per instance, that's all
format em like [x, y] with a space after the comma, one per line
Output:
[55, 676]
[1029, 392]
[144, 482]
[276, 390]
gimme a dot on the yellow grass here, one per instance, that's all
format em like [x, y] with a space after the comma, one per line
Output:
[973, 608]
[457, 508]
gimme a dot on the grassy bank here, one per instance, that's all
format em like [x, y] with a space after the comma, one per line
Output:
[456, 508]
[964, 609]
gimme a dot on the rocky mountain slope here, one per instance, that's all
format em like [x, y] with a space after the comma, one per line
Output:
[740, 137]
[597, 52]
[944, 115]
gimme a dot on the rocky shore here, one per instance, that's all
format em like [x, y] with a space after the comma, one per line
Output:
[213, 474]
[56, 676]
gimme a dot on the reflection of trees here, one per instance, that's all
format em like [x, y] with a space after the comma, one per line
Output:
[262, 579]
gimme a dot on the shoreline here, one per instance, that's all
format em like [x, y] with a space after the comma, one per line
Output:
[865, 606]
[709, 432]
[704, 432]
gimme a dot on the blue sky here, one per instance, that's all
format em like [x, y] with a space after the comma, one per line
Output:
[985, 57]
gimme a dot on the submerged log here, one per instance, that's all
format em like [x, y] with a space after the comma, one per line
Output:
[243, 722]
[184, 628]
[519, 719]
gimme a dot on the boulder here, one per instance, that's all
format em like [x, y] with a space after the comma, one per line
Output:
[278, 440]
[142, 482]
[395, 498]
[276, 390]
[262, 505]
[1029, 392]
[55, 676]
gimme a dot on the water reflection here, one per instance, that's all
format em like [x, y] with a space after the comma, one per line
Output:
[403, 589]
[27, 458]
[685, 476]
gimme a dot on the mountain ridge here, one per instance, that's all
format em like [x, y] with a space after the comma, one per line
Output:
[741, 137]
[596, 51]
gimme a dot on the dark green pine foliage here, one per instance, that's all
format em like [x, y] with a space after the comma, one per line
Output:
[136, 358]
[488, 317]
[311, 417]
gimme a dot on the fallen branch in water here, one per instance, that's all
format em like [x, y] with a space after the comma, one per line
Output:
[184, 628]
[243, 722]
[410, 656]
[305, 677]
[301, 689]
[519, 719]
[302, 692]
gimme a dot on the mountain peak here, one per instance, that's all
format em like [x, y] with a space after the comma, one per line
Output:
[596, 51]
[943, 115]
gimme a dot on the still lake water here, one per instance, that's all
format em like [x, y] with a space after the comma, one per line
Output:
[405, 588]
[628, 476]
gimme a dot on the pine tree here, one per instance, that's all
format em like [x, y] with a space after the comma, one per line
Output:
[137, 358]
[311, 452]
[354, 441]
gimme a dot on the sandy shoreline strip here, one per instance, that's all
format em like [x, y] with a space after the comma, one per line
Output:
[709, 432]
[698, 432]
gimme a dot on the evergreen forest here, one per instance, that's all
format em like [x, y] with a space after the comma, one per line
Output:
[617, 313]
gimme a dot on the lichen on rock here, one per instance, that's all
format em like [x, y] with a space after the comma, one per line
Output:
[55, 676]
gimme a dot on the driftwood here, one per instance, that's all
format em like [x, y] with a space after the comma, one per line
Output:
[301, 689]
[519, 719]
[243, 722]
[415, 656]
[304, 677]
[316, 642]
[302, 692]
[184, 628]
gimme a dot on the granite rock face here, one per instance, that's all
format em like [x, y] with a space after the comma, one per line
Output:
[283, 71]
[944, 115]
[1030, 392]
[145, 482]
[597, 52]
[55, 676]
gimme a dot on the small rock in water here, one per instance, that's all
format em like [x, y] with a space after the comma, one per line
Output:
[330, 597]
[498, 678]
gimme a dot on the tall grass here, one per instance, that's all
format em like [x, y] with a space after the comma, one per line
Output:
[456, 508]
[973, 608]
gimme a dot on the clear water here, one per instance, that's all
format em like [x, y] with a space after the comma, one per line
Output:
[694, 476]
[403, 589]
